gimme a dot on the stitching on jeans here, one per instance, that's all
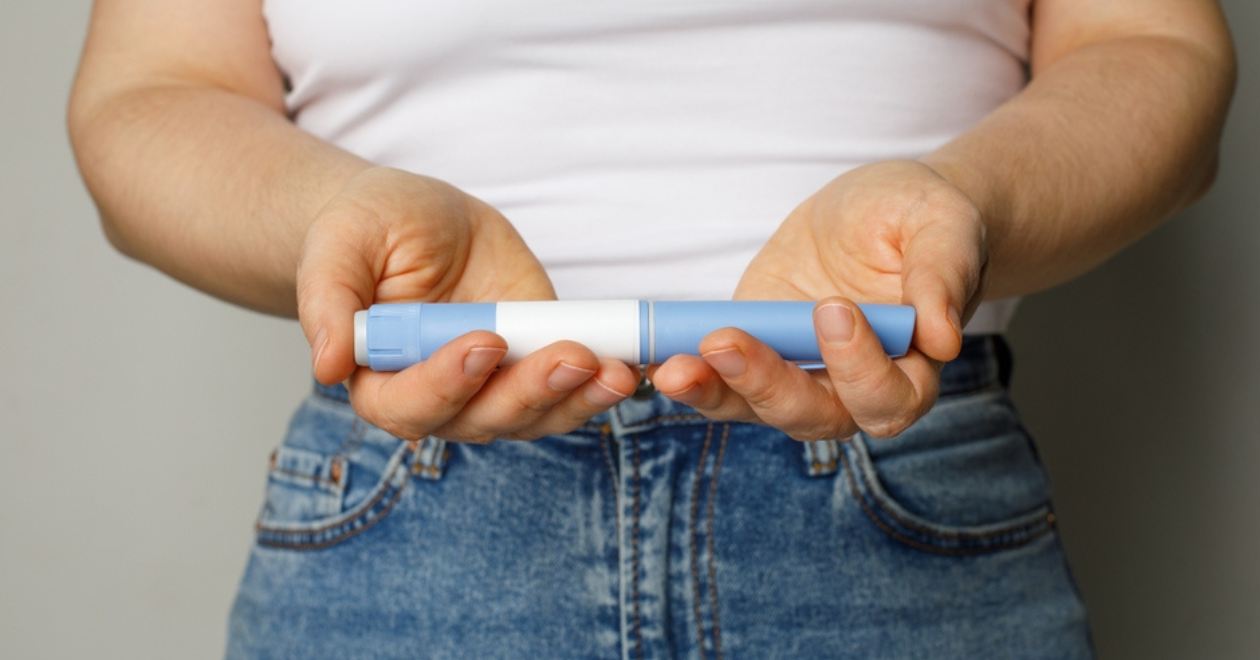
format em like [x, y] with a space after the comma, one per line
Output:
[304, 475]
[355, 515]
[817, 468]
[634, 554]
[358, 431]
[605, 448]
[713, 596]
[951, 536]
[930, 548]
[664, 419]
[343, 537]
[319, 391]
[695, 551]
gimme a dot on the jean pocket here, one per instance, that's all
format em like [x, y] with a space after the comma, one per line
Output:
[334, 477]
[965, 479]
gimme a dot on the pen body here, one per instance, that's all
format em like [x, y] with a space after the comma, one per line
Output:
[392, 337]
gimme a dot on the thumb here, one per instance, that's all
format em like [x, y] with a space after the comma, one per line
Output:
[941, 278]
[334, 281]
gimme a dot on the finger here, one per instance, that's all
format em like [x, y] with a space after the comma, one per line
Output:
[612, 383]
[413, 403]
[941, 278]
[520, 395]
[335, 279]
[740, 378]
[883, 396]
[691, 381]
[779, 393]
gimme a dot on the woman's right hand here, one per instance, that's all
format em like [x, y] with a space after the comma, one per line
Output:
[391, 236]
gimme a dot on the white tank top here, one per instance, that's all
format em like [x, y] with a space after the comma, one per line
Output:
[647, 149]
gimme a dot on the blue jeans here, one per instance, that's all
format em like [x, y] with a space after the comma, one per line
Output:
[652, 532]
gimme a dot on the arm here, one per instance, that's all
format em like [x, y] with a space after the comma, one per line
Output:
[178, 121]
[1117, 130]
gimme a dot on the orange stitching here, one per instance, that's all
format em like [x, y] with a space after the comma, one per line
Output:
[664, 419]
[695, 552]
[331, 542]
[356, 512]
[605, 448]
[303, 475]
[717, 468]
[634, 562]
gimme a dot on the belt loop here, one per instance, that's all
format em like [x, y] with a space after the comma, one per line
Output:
[822, 457]
[429, 458]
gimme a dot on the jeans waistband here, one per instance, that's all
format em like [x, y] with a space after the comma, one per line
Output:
[984, 362]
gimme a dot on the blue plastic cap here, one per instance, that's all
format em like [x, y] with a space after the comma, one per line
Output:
[393, 337]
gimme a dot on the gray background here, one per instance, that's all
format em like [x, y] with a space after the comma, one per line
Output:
[136, 415]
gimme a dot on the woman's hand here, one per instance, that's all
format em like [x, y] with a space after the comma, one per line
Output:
[893, 232]
[391, 236]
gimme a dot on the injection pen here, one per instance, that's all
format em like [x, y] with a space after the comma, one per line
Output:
[392, 337]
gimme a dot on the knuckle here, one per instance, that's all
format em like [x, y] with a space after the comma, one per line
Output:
[891, 426]
[837, 426]
[472, 436]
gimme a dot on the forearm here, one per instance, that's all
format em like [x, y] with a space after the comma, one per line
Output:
[1103, 144]
[209, 186]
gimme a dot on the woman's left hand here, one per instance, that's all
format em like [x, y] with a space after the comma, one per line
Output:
[892, 232]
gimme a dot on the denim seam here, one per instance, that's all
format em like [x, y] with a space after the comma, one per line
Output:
[646, 424]
[1022, 535]
[387, 478]
[324, 395]
[323, 481]
[815, 466]
[605, 448]
[429, 457]
[713, 595]
[358, 430]
[349, 521]
[941, 534]
[695, 548]
[634, 556]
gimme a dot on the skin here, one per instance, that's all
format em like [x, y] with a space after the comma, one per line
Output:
[177, 119]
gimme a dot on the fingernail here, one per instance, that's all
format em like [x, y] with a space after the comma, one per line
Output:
[835, 323]
[481, 360]
[566, 377]
[602, 396]
[728, 362]
[955, 319]
[321, 342]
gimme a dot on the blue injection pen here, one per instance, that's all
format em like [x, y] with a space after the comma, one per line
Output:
[392, 337]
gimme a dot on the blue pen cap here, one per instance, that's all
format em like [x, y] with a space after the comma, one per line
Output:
[391, 337]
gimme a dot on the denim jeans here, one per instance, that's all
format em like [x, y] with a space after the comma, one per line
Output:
[652, 532]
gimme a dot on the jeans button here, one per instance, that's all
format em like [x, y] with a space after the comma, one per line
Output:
[646, 390]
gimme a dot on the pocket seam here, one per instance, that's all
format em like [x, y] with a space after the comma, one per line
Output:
[349, 524]
[1002, 537]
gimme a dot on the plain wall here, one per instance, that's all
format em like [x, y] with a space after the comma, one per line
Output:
[136, 415]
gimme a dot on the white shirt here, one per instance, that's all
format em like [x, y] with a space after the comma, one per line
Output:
[647, 149]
